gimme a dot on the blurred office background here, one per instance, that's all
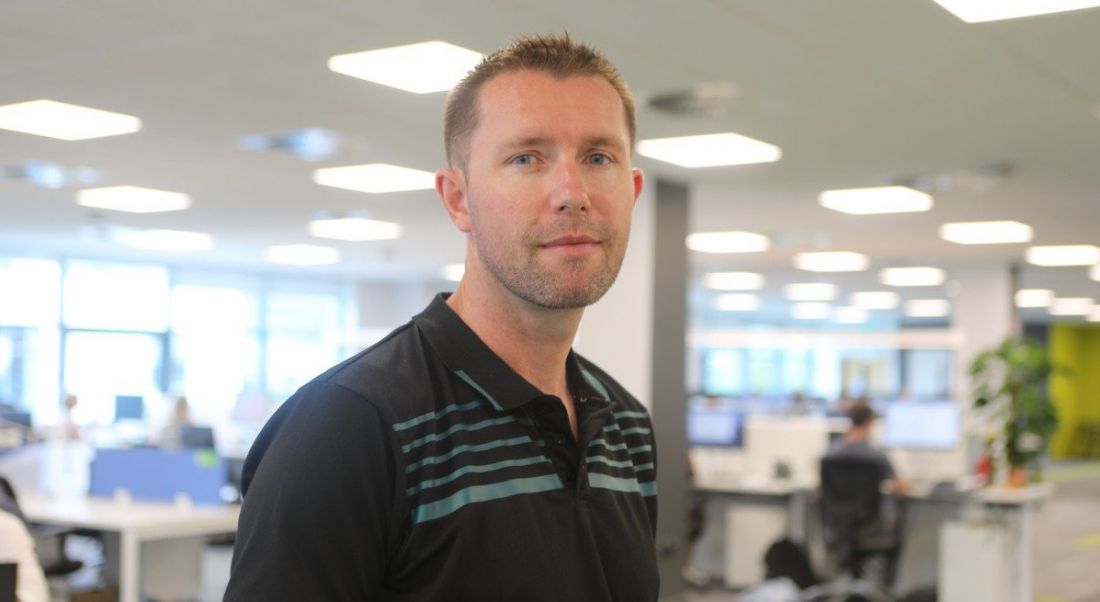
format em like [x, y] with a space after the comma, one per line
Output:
[254, 266]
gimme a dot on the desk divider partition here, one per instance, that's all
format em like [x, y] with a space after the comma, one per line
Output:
[159, 474]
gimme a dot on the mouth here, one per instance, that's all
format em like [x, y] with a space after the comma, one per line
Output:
[572, 240]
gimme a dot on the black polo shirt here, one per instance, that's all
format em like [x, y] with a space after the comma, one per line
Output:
[424, 468]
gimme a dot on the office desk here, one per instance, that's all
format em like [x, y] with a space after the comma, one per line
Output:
[135, 523]
[751, 515]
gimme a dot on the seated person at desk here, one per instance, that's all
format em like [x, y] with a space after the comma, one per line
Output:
[856, 445]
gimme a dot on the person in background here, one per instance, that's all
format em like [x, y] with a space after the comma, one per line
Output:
[857, 444]
[471, 454]
[181, 417]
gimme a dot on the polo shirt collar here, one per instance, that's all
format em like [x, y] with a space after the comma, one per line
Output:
[469, 358]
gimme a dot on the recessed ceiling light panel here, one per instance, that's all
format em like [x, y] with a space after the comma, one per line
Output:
[927, 308]
[875, 300]
[986, 233]
[916, 276]
[133, 199]
[870, 201]
[709, 150]
[733, 281]
[419, 68]
[1063, 255]
[737, 302]
[981, 11]
[810, 291]
[454, 271]
[728, 242]
[64, 121]
[356, 229]
[1034, 297]
[172, 241]
[849, 315]
[375, 178]
[831, 261]
[810, 311]
[1072, 306]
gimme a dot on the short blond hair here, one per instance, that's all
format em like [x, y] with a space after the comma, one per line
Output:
[559, 56]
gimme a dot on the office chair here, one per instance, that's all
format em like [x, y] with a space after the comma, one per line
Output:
[861, 527]
[55, 563]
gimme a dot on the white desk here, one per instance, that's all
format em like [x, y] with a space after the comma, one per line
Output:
[135, 523]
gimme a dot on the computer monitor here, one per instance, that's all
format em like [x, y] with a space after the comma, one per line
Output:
[719, 427]
[197, 437]
[921, 425]
[15, 417]
[129, 407]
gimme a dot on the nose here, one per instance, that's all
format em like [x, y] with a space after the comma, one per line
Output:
[570, 192]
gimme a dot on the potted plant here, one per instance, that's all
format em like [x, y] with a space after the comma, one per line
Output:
[1010, 390]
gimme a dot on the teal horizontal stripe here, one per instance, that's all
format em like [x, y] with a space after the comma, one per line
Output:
[643, 467]
[470, 381]
[484, 493]
[477, 426]
[400, 426]
[595, 383]
[631, 415]
[648, 489]
[475, 469]
[611, 428]
[610, 462]
[640, 449]
[638, 430]
[460, 449]
[609, 446]
[603, 481]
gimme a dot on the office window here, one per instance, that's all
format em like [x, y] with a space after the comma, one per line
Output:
[115, 296]
[215, 347]
[31, 292]
[304, 338]
[723, 372]
[102, 365]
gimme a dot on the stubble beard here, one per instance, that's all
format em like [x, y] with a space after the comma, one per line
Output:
[562, 284]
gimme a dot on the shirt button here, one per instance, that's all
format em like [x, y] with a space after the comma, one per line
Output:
[559, 440]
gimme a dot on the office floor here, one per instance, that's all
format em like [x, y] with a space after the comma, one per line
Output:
[1066, 556]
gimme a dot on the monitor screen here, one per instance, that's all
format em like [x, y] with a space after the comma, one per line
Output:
[931, 425]
[15, 417]
[129, 407]
[715, 426]
[197, 437]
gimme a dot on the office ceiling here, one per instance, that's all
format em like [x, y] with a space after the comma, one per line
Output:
[999, 120]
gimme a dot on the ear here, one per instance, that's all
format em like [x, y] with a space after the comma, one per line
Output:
[639, 181]
[450, 184]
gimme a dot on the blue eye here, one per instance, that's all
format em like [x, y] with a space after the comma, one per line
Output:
[599, 159]
[524, 159]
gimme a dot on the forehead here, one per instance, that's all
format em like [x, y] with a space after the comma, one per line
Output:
[535, 103]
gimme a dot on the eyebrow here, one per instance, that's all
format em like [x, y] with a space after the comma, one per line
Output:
[603, 141]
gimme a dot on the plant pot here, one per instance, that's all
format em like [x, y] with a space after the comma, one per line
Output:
[1018, 477]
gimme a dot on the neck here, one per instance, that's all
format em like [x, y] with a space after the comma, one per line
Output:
[857, 434]
[533, 341]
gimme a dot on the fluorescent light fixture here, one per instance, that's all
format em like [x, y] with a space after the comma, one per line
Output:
[986, 233]
[922, 276]
[728, 242]
[375, 178]
[420, 68]
[810, 311]
[1094, 315]
[65, 121]
[831, 261]
[810, 291]
[302, 254]
[733, 281]
[737, 302]
[870, 201]
[980, 11]
[133, 199]
[1034, 297]
[849, 315]
[454, 271]
[356, 229]
[1072, 306]
[1094, 273]
[927, 308]
[874, 300]
[1063, 255]
[172, 241]
[709, 150]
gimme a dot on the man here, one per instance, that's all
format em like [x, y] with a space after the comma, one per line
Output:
[471, 455]
[857, 445]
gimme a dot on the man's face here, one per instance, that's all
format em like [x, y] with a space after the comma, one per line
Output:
[549, 188]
